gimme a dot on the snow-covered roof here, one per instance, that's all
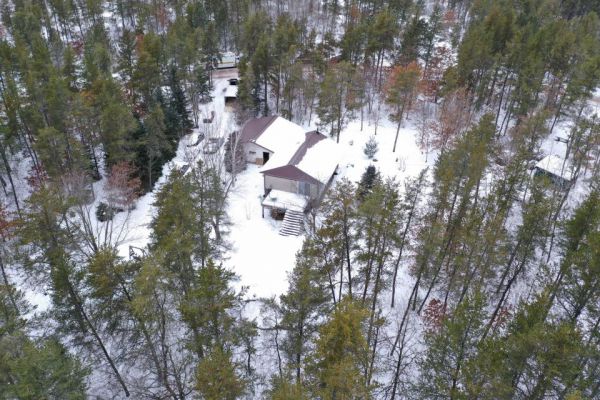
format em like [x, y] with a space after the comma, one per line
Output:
[231, 91]
[297, 155]
[321, 159]
[556, 166]
[314, 160]
[283, 138]
[285, 200]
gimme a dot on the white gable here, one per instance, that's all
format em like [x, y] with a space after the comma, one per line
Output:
[283, 138]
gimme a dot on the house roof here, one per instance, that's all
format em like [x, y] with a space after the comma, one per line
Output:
[283, 138]
[253, 128]
[321, 158]
[314, 160]
[310, 139]
[555, 165]
[290, 172]
[297, 155]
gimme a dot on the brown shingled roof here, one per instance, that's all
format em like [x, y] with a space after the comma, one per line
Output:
[291, 172]
[312, 138]
[255, 127]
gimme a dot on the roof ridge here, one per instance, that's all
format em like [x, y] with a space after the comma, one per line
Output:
[307, 144]
[272, 119]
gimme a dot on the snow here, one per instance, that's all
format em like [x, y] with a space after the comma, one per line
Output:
[285, 200]
[263, 258]
[407, 161]
[321, 160]
[259, 255]
[283, 138]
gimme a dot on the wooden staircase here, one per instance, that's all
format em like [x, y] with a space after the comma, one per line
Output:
[292, 224]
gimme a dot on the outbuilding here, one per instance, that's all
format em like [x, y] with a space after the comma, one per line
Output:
[556, 168]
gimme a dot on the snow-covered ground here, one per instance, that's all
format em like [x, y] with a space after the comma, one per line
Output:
[258, 254]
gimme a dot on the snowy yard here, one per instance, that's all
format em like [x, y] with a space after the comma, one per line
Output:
[258, 253]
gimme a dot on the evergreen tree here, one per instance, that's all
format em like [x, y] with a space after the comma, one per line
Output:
[34, 368]
[302, 307]
[341, 355]
[452, 340]
[217, 378]
[367, 181]
[178, 106]
[154, 147]
[283, 389]
[338, 99]
[401, 91]
[371, 148]
[532, 359]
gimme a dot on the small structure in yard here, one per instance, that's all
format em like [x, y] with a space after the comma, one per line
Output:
[228, 60]
[556, 169]
[297, 166]
[212, 145]
[231, 92]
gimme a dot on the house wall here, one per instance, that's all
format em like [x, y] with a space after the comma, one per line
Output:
[288, 185]
[325, 188]
[254, 153]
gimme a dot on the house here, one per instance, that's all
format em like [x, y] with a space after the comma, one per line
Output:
[261, 137]
[297, 166]
[556, 169]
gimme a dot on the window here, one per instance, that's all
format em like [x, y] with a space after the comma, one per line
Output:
[304, 188]
[252, 152]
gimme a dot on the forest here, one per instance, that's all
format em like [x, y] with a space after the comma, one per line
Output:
[478, 277]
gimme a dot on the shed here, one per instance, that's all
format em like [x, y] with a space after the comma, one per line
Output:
[557, 169]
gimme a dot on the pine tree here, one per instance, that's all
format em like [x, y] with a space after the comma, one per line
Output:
[457, 177]
[155, 148]
[338, 227]
[452, 340]
[341, 355]
[53, 250]
[532, 359]
[178, 106]
[200, 91]
[302, 307]
[371, 148]
[401, 92]
[283, 388]
[578, 275]
[368, 180]
[34, 367]
[338, 99]
[181, 229]
[217, 378]
[208, 308]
